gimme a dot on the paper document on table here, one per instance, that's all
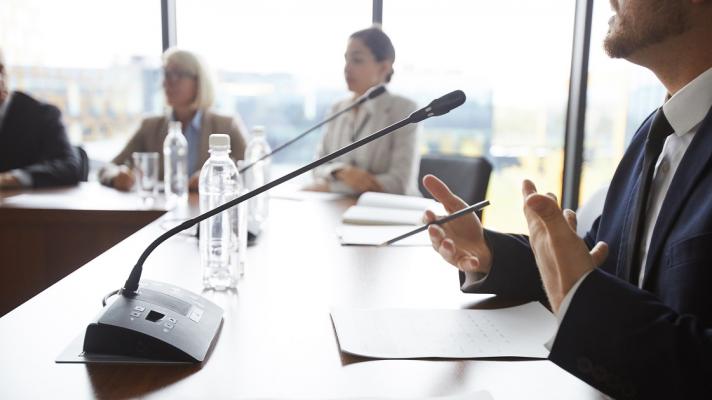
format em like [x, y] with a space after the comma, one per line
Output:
[479, 395]
[390, 209]
[364, 215]
[373, 235]
[519, 331]
[396, 201]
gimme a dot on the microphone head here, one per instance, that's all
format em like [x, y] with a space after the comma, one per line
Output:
[371, 93]
[376, 91]
[439, 106]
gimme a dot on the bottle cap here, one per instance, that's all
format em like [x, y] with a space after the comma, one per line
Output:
[174, 126]
[219, 140]
[258, 130]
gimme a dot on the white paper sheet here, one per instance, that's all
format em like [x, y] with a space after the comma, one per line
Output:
[397, 201]
[519, 331]
[381, 216]
[479, 395]
[373, 235]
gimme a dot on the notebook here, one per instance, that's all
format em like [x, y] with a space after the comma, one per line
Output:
[374, 208]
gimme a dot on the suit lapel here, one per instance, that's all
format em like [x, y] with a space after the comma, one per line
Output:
[695, 161]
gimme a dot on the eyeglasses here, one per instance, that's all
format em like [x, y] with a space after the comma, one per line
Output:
[176, 75]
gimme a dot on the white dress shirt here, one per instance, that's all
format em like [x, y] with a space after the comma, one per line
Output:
[3, 108]
[685, 112]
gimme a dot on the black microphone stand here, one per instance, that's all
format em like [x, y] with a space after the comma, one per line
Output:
[165, 322]
[438, 106]
[370, 94]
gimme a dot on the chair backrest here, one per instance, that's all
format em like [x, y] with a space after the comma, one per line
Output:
[467, 177]
[590, 210]
[83, 163]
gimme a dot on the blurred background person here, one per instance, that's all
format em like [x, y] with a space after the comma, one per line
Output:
[34, 149]
[189, 94]
[389, 164]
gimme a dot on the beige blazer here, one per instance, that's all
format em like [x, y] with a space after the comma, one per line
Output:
[153, 131]
[393, 159]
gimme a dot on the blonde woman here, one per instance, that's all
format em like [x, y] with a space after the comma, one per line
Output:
[190, 94]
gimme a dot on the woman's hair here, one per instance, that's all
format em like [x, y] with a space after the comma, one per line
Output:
[380, 45]
[191, 62]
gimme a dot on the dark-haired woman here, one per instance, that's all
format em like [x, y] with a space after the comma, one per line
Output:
[388, 164]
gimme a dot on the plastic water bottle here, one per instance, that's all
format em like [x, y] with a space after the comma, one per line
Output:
[222, 250]
[175, 166]
[256, 176]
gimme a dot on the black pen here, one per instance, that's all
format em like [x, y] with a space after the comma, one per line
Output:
[466, 210]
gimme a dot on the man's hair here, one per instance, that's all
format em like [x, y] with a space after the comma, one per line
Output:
[379, 43]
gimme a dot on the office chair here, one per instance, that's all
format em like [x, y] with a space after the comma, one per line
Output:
[590, 210]
[83, 163]
[467, 177]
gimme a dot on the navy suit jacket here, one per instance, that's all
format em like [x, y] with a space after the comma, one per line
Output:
[627, 342]
[33, 139]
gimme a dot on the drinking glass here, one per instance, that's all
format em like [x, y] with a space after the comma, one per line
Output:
[145, 166]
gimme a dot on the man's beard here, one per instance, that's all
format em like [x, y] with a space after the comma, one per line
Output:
[648, 23]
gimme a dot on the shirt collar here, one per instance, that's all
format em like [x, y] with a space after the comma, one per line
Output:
[689, 106]
[195, 122]
[372, 105]
[197, 119]
[5, 105]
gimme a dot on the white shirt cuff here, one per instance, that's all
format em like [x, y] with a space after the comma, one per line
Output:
[473, 278]
[563, 307]
[23, 177]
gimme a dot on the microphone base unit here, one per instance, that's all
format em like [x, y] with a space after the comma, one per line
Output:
[161, 322]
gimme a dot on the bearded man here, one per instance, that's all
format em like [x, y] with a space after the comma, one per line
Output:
[634, 298]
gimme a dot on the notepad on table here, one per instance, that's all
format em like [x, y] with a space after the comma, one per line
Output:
[374, 235]
[389, 209]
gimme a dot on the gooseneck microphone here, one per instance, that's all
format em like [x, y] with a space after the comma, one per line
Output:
[163, 322]
[371, 94]
[437, 107]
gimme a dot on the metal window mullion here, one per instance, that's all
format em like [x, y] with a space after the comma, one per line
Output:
[168, 23]
[377, 12]
[576, 110]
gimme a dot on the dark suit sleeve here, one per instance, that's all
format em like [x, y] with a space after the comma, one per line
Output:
[514, 273]
[625, 342]
[58, 163]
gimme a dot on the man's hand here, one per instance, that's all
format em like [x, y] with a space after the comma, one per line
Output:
[562, 257]
[461, 241]
[8, 181]
[358, 179]
[124, 180]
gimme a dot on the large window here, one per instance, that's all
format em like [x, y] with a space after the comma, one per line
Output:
[97, 61]
[280, 64]
[620, 96]
[277, 63]
[512, 58]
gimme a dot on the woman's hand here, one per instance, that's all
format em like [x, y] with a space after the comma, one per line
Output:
[124, 180]
[358, 179]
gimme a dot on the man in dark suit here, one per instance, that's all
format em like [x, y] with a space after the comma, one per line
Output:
[34, 150]
[633, 298]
